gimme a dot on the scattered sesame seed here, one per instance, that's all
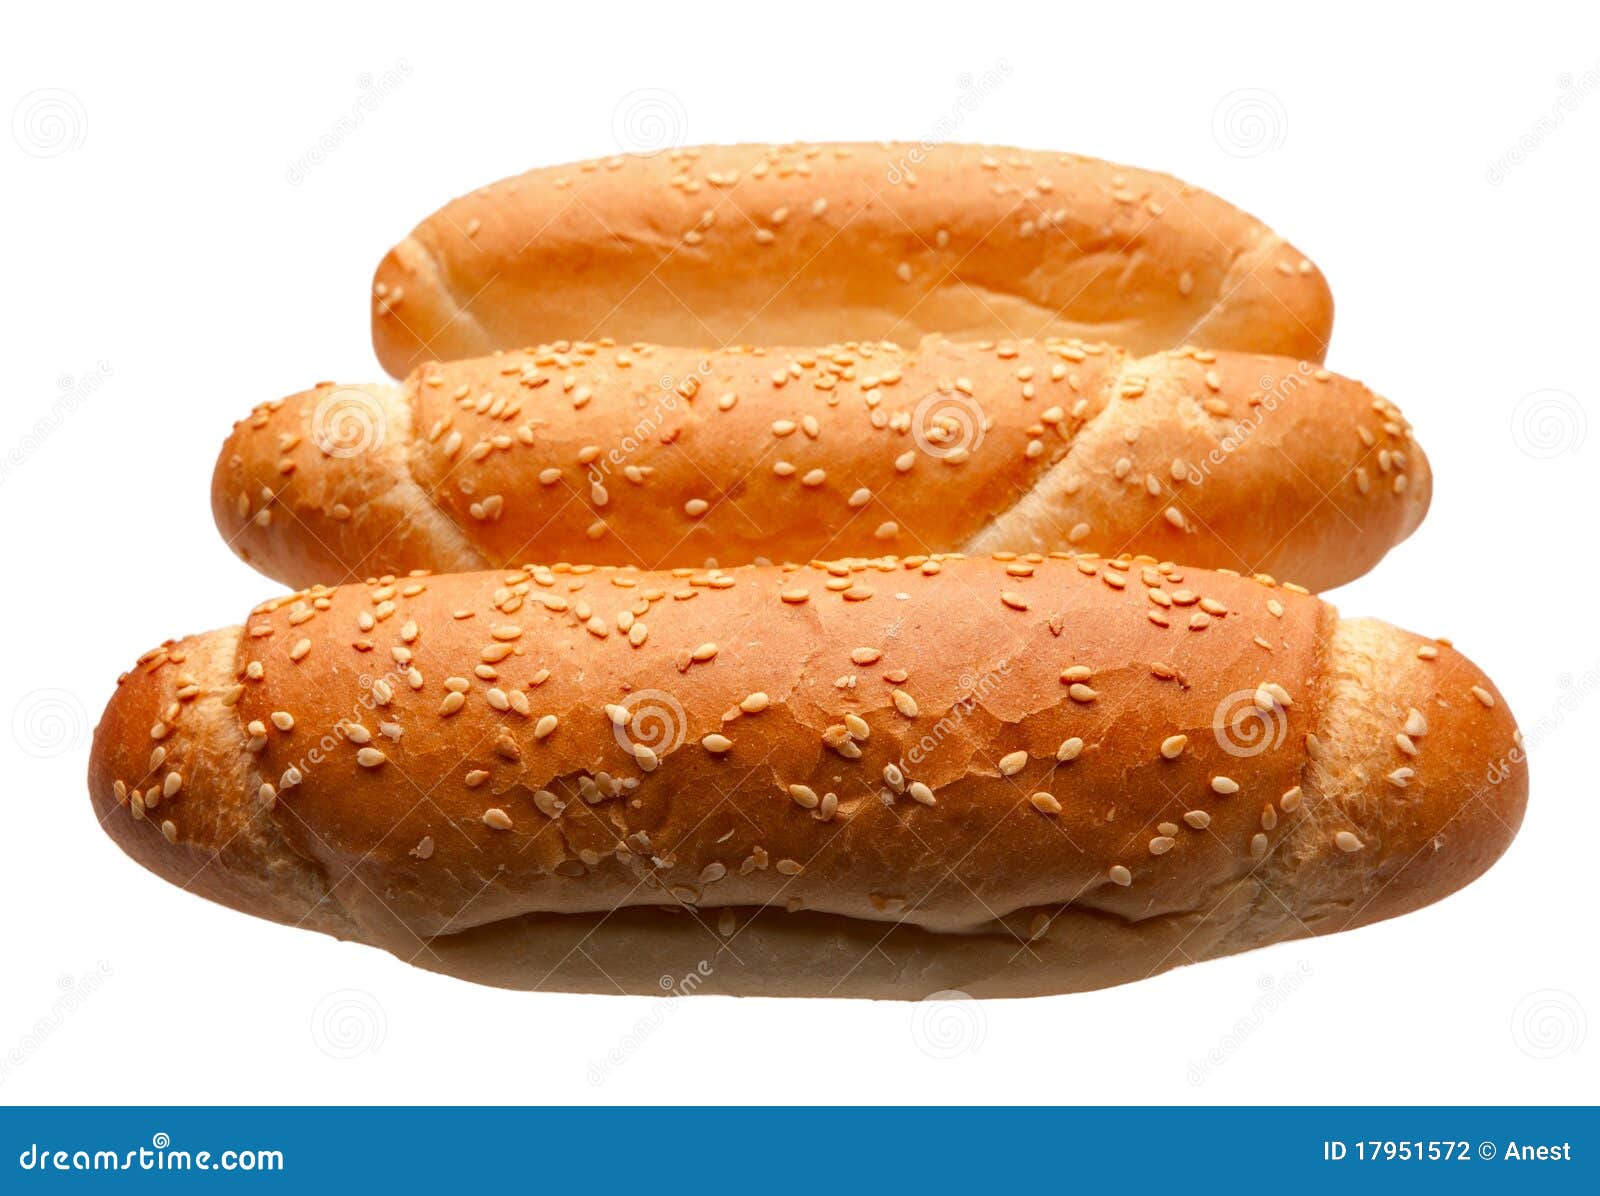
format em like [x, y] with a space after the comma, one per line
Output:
[1346, 841]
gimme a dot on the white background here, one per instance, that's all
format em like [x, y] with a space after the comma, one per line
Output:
[163, 273]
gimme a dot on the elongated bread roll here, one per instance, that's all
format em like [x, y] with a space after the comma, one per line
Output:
[659, 457]
[876, 778]
[808, 244]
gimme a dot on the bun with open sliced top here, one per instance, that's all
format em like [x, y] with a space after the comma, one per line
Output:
[810, 244]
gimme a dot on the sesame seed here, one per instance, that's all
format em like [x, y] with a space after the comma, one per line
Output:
[497, 819]
[795, 596]
[1198, 819]
[1045, 803]
[713, 872]
[1162, 844]
[283, 720]
[921, 793]
[1120, 875]
[1226, 786]
[804, 796]
[1346, 841]
[704, 652]
[476, 777]
[169, 831]
[370, 757]
[1172, 746]
[453, 701]
[1258, 845]
[1483, 695]
[1080, 692]
[1069, 749]
[1012, 763]
[1400, 777]
[1290, 801]
[545, 726]
[716, 744]
[1014, 600]
[1416, 725]
[754, 703]
[904, 703]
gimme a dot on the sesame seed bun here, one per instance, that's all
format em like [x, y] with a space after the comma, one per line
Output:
[808, 244]
[1012, 776]
[657, 457]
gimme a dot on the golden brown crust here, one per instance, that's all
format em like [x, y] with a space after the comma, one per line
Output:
[806, 244]
[659, 457]
[1115, 766]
